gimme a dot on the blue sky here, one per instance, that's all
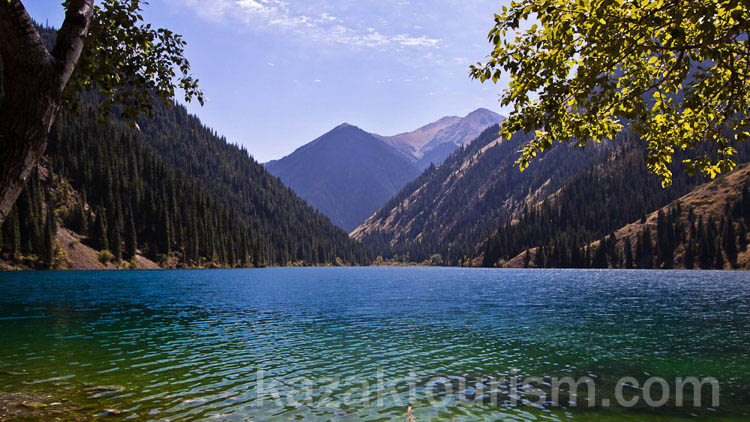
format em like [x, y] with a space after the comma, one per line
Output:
[279, 73]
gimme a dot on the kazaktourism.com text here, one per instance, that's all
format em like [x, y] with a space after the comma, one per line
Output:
[506, 390]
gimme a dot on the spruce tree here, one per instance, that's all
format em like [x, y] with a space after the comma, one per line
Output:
[539, 258]
[50, 231]
[131, 238]
[718, 258]
[729, 242]
[99, 237]
[14, 235]
[600, 256]
[116, 242]
[164, 232]
[115, 233]
[526, 259]
[742, 237]
[628, 253]
[83, 220]
[689, 260]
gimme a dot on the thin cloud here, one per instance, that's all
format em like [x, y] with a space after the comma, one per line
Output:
[322, 28]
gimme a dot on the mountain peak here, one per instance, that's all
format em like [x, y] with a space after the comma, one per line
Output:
[482, 112]
[344, 126]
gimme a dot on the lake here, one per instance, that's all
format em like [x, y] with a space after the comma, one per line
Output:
[368, 343]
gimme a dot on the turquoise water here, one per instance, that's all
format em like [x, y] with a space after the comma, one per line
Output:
[311, 343]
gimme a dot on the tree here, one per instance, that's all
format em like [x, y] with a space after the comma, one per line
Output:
[104, 47]
[742, 237]
[14, 235]
[689, 260]
[99, 236]
[526, 259]
[164, 232]
[676, 72]
[729, 242]
[131, 237]
[628, 253]
[50, 231]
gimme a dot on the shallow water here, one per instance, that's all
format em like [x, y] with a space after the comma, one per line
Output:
[310, 343]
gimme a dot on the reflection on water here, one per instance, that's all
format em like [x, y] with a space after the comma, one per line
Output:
[183, 345]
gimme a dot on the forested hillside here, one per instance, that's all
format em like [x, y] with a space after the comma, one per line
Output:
[706, 229]
[450, 208]
[180, 195]
[173, 190]
[617, 190]
[478, 209]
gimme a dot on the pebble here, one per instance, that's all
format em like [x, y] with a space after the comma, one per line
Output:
[33, 405]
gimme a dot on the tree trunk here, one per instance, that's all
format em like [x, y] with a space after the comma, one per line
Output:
[34, 80]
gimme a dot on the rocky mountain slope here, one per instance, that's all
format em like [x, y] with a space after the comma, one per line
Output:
[451, 207]
[433, 143]
[411, 143]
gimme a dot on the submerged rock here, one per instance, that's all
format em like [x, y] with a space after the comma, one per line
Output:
[12, 373]
[20, 406]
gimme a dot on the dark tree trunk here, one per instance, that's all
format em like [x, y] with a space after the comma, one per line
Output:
[34, 80]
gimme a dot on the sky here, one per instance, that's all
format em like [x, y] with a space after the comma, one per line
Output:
[280, 73]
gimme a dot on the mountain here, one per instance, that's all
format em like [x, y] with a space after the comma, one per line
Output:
[477, 208]
[434, 142]
[347, 174]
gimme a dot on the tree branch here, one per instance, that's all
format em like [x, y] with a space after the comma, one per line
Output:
[71, 38]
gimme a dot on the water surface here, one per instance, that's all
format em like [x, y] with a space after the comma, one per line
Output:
[281, 344]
